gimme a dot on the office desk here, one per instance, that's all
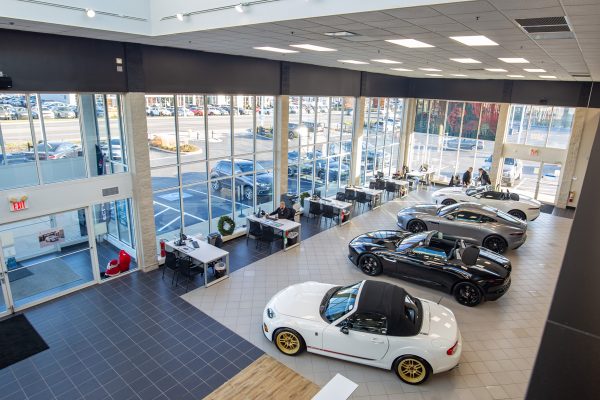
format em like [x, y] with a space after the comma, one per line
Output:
[399, 183]
[374, 195]
[282, 225]
[337, 205]
[205, 254]
[425, 176]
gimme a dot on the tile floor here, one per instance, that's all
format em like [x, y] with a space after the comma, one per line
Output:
[500, 338]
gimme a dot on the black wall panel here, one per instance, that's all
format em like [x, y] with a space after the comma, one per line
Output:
[551, 93]
[382, 85]
[168, 70]
[313, 80]
[41, 62]
[458, 89]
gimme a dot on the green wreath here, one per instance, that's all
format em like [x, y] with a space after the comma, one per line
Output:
[226, 225]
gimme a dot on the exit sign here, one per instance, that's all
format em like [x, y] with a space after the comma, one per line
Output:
[18, 204]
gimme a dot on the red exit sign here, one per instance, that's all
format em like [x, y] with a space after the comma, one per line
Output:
[18, 205]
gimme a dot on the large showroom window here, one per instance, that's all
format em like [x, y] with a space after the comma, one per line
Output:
[47, 138]
[450, 136]
[381, 137]
[540, 126]
[319, 144]
[210, 156]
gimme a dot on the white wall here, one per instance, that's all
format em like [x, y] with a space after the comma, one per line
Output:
[583, 156]
[523, 152]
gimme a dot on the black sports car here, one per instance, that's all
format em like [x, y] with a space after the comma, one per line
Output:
[471, 273]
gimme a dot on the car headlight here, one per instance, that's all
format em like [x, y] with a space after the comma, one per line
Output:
[270, 313]
[507, 174]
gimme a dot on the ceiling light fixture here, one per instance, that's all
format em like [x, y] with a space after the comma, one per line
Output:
[240, 8]
[386, 61]
[402, 69]
[548, 76]
[410, 43]
[312, 47]
[516, 76]
[466, 60]
[534, 70]
[514, 60]
[179, 16]
[90, 13]
[496, 70]
[340, 34]
[459, 75]
[276, 50]
[434, 74]
[476, 40]
[430, 69]
[352, 62]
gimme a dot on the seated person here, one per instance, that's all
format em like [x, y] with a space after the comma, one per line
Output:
[284, 212]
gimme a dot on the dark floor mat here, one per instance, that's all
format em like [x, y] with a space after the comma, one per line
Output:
[547, 208]
[18, 340]
[18, 274]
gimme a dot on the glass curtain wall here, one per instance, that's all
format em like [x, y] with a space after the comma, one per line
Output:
[210, 155]
[381, 137]
[319, 144]
[449, 136]
[540, 126]
[47, 138]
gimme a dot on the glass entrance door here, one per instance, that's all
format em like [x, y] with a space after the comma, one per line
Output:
[535, 179]
[5, 304]
[548, 183]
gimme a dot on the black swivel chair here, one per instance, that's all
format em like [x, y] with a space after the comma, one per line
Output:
[315, 209]
[188, 270]
[372, 185]
[170, 263]
[254, 231]
[361, 198]
[340, 196]
[329, 213]
[380, 184]
[350, 195]
[268, 236]
[390, 187]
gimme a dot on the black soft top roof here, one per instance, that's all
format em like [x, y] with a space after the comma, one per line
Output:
[388, 300]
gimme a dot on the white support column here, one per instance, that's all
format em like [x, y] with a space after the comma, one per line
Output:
[408, 127]
[281, 146]
[139, 164]
[501, 132]
[357, 140]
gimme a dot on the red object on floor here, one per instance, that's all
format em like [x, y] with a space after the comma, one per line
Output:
[163, 251]
[115, 267]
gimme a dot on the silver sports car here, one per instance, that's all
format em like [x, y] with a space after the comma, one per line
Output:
[475, 223]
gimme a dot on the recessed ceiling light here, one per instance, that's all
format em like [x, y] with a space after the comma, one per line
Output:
[474, 40]
[430, 69]
[434, 74]
[534, 70]
[548, 76]
[496, 70]
[410, 43]
[460, 75]
[275, 50]
[466, 60]
[179, 16]
[240, 8]
[402, 69]
[385, 61]
[352, 62]
[516, 76]
[514, 60]
[340, 33]
[90, 13]
[312, 47]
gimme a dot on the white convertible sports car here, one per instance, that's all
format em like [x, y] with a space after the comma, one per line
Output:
[517, 205]
[371, 322]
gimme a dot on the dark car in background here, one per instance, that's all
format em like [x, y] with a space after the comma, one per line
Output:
[470, 273]
[224, 168]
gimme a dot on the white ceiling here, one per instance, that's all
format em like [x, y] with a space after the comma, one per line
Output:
[431, 24]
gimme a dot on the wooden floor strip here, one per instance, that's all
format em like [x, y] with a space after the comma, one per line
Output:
[266, 378]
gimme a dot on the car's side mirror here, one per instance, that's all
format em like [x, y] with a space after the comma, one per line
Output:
[383, 331]
[344, 329]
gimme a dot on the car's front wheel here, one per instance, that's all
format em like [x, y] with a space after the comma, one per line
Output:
[416, 226]
[216, 186]
[518, 214]
[288, 341]
[412, 369]
[248, 193]
[448, 202]
[467, 294]
[495, 243]
[370, 265]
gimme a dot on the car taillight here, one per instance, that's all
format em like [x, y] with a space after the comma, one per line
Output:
[452, 349]
[52, 157]
[517, 234]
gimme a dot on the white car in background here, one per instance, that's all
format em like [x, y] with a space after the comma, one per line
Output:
[517, 205]
[512, 170]
[371, 322]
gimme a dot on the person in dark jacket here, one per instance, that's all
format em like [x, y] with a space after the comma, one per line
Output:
[484, 177]
[466, 178]
[284, 212]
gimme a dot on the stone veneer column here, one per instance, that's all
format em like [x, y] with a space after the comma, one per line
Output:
[139, 165]
[281, 146]
[357, 140]
[408, 127]
[501, 131]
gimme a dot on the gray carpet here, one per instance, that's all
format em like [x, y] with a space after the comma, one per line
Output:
[44, 276]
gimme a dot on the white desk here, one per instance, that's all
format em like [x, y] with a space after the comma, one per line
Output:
[399, 183]
[205, 254]
[425, 175]
[283, 225]
[338, 205]
[373, 194]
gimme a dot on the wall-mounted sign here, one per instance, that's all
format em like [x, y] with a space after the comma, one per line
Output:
[51, 237]
[18, 203]
[534, 152]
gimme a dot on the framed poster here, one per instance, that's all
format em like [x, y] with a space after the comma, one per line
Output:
[51, 237]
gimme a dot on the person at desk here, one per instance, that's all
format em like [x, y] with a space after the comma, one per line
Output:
[284, 212]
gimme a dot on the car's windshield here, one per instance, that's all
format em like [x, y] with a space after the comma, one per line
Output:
[341, 302]
[245, 166]
[445, 210]
[509, 161]
[411, 241]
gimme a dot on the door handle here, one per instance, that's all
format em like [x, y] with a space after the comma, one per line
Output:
[436, 223]
[378, 341]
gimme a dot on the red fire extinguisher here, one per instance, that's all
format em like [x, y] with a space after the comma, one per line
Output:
[163, 252]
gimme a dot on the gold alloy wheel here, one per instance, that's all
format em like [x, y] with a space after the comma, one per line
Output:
[411, 370]
[287, 342]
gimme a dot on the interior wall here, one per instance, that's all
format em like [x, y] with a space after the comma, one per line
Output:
[590, 128]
